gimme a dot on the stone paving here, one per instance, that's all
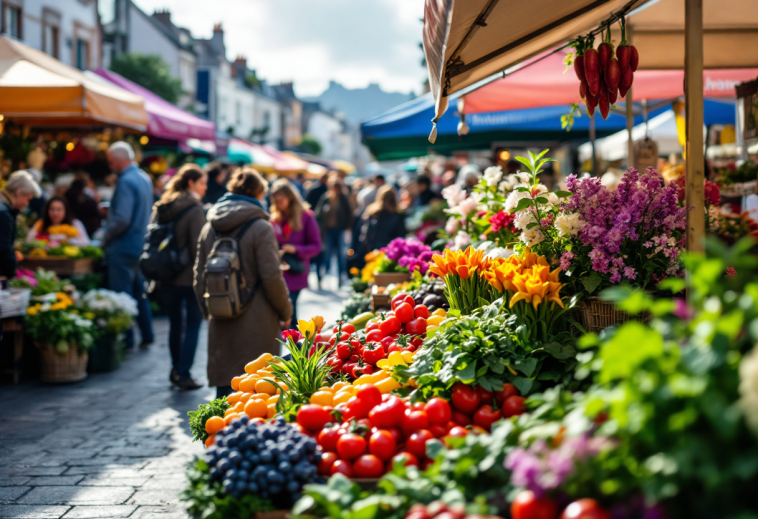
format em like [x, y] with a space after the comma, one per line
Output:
[113, 446]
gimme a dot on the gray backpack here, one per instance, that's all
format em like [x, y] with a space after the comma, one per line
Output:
[227, 293]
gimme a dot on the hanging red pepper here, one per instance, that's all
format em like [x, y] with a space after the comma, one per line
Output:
[605, 51]
[602, 100]
[583, 89]
[591, 71]
[591, 103]
[579, 60]
[627, 77]
[634, 60]
[623, 51]
[612, 96]
[612, 75]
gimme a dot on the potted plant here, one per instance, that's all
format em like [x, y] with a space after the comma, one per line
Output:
[62, 337]
[113, 313]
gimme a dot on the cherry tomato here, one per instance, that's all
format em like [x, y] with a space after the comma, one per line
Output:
[405, 459]
[343, 467]
[382, 444]
[416, 443]
[416, 326]
[335, 363]
[344, 350]
[397, 347]
[402, 298]
[456, 432]
[485, 397]
[513, 406]
[390, 325]
[327, 460]
[350, 446]
[372, 326]
[362, 369]
[370, 394]
[313, 417]
[461, 419]
[356, 408]
[388, 414]
[394, 431]
[416, 342]
[528, 506]
[418, 406]
[421, 311]
[465, 398]
[348, 328]
[368, 466]
[438, 411]
[327, 438]
[404, 312]
[414, 421]
[585, 509]
[439, 431]
[485, 416]
[373, 353]
[387, 342]
[508, 390]
[374, 335]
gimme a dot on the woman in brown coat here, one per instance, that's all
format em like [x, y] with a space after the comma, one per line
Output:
[182, 202]
[232, 343]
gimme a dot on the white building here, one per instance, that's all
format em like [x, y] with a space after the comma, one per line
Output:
[65, 29]
[332, 132]
[126, 28]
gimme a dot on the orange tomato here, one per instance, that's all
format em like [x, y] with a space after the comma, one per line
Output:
[236, 383]
[231, 417]
[256, 409]
[322, 398]
[247, 384]
[214, 424]
[271, 411]
[210, 440]
[234, 398]
[245, 397]
[265, 386]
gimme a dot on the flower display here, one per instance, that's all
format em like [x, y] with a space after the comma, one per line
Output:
[54, 320]
[113, 312]
[462, 272]
[69, 231]
[27, 277]
[528, 279]
[409, 254]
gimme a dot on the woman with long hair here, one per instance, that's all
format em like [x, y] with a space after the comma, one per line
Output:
[335, 217]
[83, 206]
[181, 204]
[58, 224]
[297, 234]
[382, 221]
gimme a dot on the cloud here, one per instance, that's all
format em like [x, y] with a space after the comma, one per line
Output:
[354, 42]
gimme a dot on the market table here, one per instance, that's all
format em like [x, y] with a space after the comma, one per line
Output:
[61, 265]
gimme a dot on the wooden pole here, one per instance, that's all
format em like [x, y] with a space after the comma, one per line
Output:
[629, 113]
[693, 98]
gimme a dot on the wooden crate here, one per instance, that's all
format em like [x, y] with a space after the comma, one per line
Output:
[388, 278]
[61, 265]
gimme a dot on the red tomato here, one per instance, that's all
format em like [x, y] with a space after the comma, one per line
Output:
[362, 369]
[456, 432]
[382, 444]
[327, 438]
[416, 443]
[418, 406]
[402, 298]
[344, 350]
[327, 460]
[421, 311]
[404, 312]
[368, 466]
[348, 328]
[461, 419]
[528, 506]
[370, 394]
[373, 353]
[438, 411]
[465, 398]
[350, 446]
[357, 408]
[372, 326]
[414, 421]
[335, 363]
[485, 416]
[513, 406]
[313, 417]
[405, 459]
[390, 325]
[374, 335]
[416, 326]
[416, 342]
[394, 431]
[508, 390]
[342, 467]
[397, 347]
[585, 509]
[388, 414]
[485, 397]
[387, 342]
[439, 431]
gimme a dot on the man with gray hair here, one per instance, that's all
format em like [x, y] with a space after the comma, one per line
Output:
[124, 234]
[19, 189]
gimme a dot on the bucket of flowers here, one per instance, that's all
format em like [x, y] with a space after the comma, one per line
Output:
[112, 313]
[402, 257]
[62, 335]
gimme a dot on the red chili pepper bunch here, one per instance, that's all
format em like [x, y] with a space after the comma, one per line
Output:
[603, 74]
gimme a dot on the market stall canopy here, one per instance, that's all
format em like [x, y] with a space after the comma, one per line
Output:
[164, 119]
[37, 89]
[468, 41]
[546, 84]
[264, 158]
[401, 132]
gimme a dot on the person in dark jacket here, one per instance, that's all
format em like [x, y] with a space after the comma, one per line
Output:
[425, 194]
[382, 221]
[83, 207]
[19, 190]
[312, 197]
[181, 203]
[335, 217]
[217, 172]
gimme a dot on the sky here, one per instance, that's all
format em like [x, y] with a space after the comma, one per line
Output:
[354, 42]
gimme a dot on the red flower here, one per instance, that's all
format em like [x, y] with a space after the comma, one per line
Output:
[730, 271]
[293, 334]
[712, 194]
[502, 220]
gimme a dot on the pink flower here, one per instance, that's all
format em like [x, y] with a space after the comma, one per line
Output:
[502, 220]
[295, 335]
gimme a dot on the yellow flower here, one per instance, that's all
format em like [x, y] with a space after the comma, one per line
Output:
[38, 253]
[64, 298]
[461, 263]
[58, 306]
[528, 278]
[33, 310]
[88, 315]
[318, 322]
[306, 328]
[354, 271]
[68, 230]
[71, 251]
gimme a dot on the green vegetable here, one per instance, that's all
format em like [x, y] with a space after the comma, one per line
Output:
[360, 320]
[204, 411]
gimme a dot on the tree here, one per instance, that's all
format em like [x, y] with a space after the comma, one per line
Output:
[311, 145]
[149, 71]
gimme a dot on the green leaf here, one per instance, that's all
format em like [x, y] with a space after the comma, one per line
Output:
[560, 351]
[523, 204]
[591, 282]
[562, 194]
[523, 384]
[526, 366]
[675, 285]
[632, 344]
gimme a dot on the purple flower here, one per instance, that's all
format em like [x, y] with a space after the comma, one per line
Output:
[566, 258]
[409, 253]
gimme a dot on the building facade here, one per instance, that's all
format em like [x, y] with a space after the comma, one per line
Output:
[68, 30]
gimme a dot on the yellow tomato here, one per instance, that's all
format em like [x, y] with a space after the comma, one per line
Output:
[339, 385]
[271, 411]
[407, 356]
[322, 398]
[396, 358]
[247, 384]
[265, 386]
[387, 385]
[259, 363]
[342, 397]
[434, 320]
[439, 311]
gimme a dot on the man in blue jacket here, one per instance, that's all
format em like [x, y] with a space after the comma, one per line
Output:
[124, 235]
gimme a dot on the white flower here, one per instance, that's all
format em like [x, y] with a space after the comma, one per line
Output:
[553, 199]
[467, 206]
[515, 197]
[714, 217]
[532, 237]
[499, 252]
[749, 388]
[462, 240]
[524, 218]
[524, 177]
[493, 175]
[452, 225]
[509, 183]
[454, 195]
[569, 224]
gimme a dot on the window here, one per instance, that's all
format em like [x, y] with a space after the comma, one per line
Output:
[12, 18]
[107, 10]
[238, 108]
[51, 22]
[266, 119]
[82, 54]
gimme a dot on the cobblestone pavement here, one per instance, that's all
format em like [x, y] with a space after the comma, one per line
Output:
[114, 445]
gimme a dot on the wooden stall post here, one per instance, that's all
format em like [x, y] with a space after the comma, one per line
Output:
[629, 113]
[693, 97]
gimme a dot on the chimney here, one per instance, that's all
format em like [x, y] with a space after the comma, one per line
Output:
[239, 67]
[217, 40]
[163, 16]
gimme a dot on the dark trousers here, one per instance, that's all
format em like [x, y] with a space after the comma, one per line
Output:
[335, 246]
[185, 319]
[223, 391]
[293, 299]
[124, 275]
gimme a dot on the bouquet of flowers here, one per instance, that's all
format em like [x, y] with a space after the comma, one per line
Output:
[41, 282]
[53, 320]
[406, 255]
[113, 312]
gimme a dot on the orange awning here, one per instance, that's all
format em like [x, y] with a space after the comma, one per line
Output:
[38, 90]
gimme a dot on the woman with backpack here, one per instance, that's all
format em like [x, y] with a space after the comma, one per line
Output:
[382, 221]
[297, 234]
[181, 206]
[239, 282]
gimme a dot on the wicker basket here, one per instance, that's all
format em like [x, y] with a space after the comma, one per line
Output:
[62, 367]
[61, 265]
[14, 301]
[385, 279]
[596, 315]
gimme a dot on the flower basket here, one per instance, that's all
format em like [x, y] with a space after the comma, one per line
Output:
[384, 279]
[61, 265]
[58, 368]
[106, 355]
[14, 301]
[596, 315]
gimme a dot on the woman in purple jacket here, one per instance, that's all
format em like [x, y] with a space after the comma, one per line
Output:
[298, 235]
